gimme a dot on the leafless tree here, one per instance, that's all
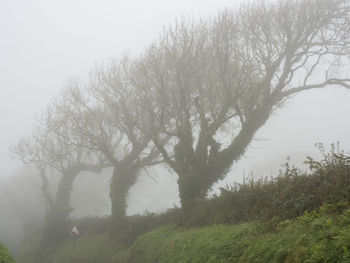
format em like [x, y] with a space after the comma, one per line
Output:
[49, 152]
[101, 116]
[212, 84]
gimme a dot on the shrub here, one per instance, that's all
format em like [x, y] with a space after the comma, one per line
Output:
[5, 256]
[289, 195]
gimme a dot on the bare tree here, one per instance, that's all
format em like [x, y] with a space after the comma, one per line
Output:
[48, 153]
[211, 85]
[101, 116]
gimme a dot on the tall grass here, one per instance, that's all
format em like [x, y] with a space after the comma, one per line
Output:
[322, 236]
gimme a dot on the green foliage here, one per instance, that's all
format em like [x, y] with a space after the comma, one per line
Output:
[316, 236]
[91, 225]
[289, 195]
[312, 237]
[296, 217]
[31, 251]
[5, 257]
[322, 236]
[217, 243]
[86, 249]
[89, 248]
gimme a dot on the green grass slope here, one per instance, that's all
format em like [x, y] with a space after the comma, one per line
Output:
[87, 249]
[322, 236]
[279, 220]
[90, 248]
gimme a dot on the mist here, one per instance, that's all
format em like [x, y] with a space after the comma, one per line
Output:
[46, 44]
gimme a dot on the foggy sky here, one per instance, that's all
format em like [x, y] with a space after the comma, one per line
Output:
[43, 43]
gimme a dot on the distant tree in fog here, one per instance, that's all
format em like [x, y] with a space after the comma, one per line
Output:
[49, 152]
[101, 117]
[211, 85]
[22, 204]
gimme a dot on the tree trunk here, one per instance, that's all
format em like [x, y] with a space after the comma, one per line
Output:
[197, 177]
[193, 187]
[62, 203]
[57, 225]
[124, 176]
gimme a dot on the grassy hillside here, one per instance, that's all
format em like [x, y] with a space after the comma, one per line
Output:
[296, 217]
[90, 248]
[322, 236]
[314, 237]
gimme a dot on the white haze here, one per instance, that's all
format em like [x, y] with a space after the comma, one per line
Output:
[43, 43]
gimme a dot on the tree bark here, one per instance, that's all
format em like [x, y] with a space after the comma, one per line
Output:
[57, 225]
[57, 219]
[197, 177]
[124, 176]
[192, 189]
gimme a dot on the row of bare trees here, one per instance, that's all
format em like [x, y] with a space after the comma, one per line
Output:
[193, 100]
